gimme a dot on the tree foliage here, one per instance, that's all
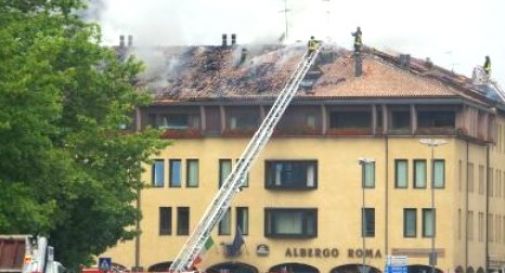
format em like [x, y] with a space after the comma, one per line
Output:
[67, 170]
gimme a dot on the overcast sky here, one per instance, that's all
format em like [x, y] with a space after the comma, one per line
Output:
[455, 34]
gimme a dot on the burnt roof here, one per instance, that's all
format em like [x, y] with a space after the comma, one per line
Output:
[257, 72]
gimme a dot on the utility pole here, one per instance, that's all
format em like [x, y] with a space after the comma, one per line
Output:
[363, 162]
[432, 143]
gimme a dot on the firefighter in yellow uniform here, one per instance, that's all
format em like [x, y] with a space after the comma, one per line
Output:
[312, 45]
[358, 43]
[487, 66]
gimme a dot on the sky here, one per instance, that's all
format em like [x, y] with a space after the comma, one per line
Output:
[455, 34]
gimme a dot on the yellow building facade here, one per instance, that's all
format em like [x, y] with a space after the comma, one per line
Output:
[308, 204]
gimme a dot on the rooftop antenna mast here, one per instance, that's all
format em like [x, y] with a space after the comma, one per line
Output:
[286, 26]
[328, 19]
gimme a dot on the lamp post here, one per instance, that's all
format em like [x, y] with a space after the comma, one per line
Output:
[432, 143]
[363, 162]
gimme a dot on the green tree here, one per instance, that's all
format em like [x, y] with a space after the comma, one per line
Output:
[67, 170]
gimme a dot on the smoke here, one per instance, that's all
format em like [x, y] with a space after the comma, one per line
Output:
[456, 34]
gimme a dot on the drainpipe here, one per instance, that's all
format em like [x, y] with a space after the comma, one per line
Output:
[466, 207]
[386, 235]
[486, 244]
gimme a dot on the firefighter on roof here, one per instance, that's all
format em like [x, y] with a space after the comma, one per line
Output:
[312, 45]
[487, 66]
[358, 43]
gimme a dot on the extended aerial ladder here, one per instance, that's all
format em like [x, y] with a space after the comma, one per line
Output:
[222, 200]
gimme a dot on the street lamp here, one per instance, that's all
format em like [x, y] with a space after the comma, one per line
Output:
[432, 143]
[363, 162]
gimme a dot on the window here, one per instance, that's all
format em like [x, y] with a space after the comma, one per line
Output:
[246, 182]
[224, 227]
[368, 175]
[291, 223]
[192, 173]
[174, 121]
[436, 119]
[351, 120]
[165, 220]
[470, 177]
[439, 173]
[470, 225]
[419, 173]
[400, 120]
[243, 219]
[481, 227]
[429, 222]
[481, 179]
[182, 221]
[368, 222]
[401, 173]
[291, 174]
[310, 120]
[243, 119]
[224, 170]
[175, 173]
[158, 173]
[409, 223]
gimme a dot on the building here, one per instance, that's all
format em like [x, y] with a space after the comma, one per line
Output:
[308, 205]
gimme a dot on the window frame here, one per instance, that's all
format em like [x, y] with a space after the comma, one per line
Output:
[270, 166]
[433, 184]
[161, 229]
[406, 161]
[220, 229]
[335, 117]
[246, 182]
[220, 178]
[364, 175]
[405, 212]
[364, 222]
[434, 215]
[180, 231]
[171, 177]
[153, 173]
[414, 181]
[188, 171]
[307, 213]
[242, 214]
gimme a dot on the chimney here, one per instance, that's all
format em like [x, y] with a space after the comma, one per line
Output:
[130, 40]
[225, 40]
[358, 65]
[404, 60]
[121, 40]
[233, 39]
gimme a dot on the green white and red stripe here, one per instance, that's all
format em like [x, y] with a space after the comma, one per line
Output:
[208, 244]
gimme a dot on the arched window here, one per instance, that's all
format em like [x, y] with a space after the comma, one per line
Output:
[293, 268]
[232, 268]
[160, 267]
[354, 268]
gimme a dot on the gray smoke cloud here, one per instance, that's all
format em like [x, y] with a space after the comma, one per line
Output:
[456, 34]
